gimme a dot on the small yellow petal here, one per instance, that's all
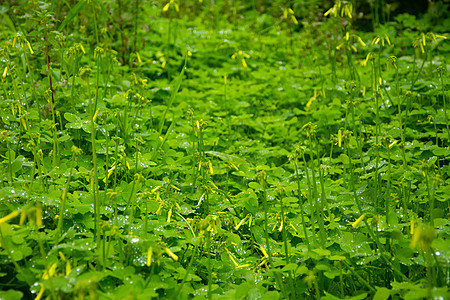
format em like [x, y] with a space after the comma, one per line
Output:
[166, 7]
[5, 72]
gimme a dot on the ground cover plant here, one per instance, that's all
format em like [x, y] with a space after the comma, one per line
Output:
[224, 150]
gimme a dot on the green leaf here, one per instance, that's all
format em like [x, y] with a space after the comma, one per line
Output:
[272, 295]
[256, 186]
[323, 252]
[251, 204]
[382, 294]
[17, 164]
[242, 290]
[11, 295]
[72, 14]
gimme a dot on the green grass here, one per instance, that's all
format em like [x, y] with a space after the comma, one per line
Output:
[241, 150]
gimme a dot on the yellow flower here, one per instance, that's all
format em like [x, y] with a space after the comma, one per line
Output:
[393, 144]
[41, 292]
[82, 49]
[95, 115]
[339, 138]
[50, 272]
[356, 223]
[68, 268]
[39, 216]
[423, 237]
[169, 215]
[171, 254]
[240, 223]
[29, 47]
[149, 256]
[360, 41]
[264, 252]
[5, 72]
[10, 216]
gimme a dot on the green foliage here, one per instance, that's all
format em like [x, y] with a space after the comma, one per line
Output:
[223, 150]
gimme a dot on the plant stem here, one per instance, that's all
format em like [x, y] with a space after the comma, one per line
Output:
[266, 227]
[63, 197]
[94, 178]
[301, 203]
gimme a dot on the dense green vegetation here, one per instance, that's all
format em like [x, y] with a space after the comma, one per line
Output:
[224, 150]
